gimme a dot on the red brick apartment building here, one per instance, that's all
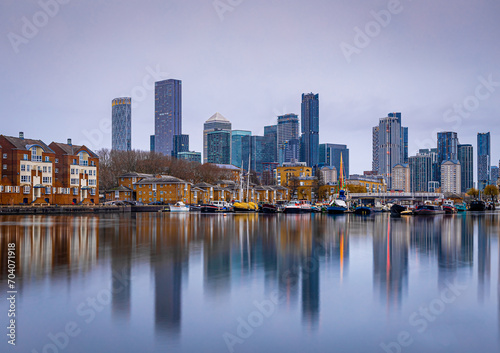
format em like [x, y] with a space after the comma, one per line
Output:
[33, 173]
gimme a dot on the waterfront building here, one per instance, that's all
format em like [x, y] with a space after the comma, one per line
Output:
[420, 172]
[292, 171]
[310, 129]
[451, 176]
[258, 150]
[329, 155]
[190, 156]
[237, 146]
[288, 138]
[125, 191]
[217, 123]
[372, 183]
[329, 175]
[483, 160]
[401, 177]
[466, 159]
[121, 124]
[164, 189]
[181, 144]
[168, 114]
[390, 144]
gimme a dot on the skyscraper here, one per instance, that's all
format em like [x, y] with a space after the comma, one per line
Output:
[466, 159]
[447, 148]
[451, 176]
[217, 146]
[152, 143]
[181, 144]
[329, 155]
[420, 172]
[236, 146]
[259, 149]
[121, 124]
[375, 147]
[168, 114]
[310, 129]
[271, 131]
[435, 164]
[494, 175]
[288, 138]
[391, 145]
[483, 160]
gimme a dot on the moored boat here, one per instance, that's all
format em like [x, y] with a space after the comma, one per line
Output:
[428, 210]
[477, 205]
[268, 208]
[397, 209]
[179, 207]
[245, 207]
[363, 210]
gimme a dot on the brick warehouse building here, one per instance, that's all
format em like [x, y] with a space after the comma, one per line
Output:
[34, 173]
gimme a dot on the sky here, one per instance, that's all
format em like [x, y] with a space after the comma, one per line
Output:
[437, 62]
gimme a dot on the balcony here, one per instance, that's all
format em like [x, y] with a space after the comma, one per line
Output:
[36, 158]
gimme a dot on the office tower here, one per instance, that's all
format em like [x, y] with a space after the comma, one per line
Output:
[404, 156]
[420, 172]
[375, 164]
[447, 148]
[271, 131]
[435, 164]
[466, 159]
[391, 145]
[309, 142]
[451, 177]
[236, 146]
[121, 124]
[288, 138]
[152, 143]
[219, 147]
[216, 123]
[483, 160]
[190, 156]
[494, 175]
[181, 144]
[329, 155]
[257, 149]
[168, 114]
[401, 178]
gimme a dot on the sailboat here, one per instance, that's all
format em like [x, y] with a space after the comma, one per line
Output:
[339, 205]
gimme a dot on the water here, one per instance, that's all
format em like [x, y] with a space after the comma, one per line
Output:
[159, 282]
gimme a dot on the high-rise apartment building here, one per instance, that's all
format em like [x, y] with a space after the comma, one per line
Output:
[451, 177]
[121, 124]
[181, 144]
[375, 164]
[466, 159]
[271, 131]
[483, 160]
[219, 147]
[217, 122]
[168, 114]
[329, 155]
[494, 175]
[288, 138]
[310, 129]
[420, 172]
[257, 149]
[237, 146]
[401, 177]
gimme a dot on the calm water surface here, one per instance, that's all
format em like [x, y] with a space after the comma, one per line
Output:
[160, 282]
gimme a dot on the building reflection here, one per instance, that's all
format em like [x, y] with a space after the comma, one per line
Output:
[483, 258]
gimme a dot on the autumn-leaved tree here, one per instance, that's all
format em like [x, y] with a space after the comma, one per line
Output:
[472, 192]
[492, 192]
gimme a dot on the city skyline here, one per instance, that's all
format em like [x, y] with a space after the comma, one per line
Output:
[240, 75]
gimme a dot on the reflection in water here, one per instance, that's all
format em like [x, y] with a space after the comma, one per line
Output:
[297, 255]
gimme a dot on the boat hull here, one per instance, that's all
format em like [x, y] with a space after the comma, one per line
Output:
[336, 210]
[477, 206]
[363, 211]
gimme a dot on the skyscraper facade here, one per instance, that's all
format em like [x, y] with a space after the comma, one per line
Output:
[435, 164]
[288, 138]
[271, 131]
[237, 145]
[447, 148]
[152, 143]
[121, 124]
[451, 176]
[391, 141]
[217, 122]
[219, 147]
[181, 144]
[375, 164]
[310, 129]
[483, 160]
[329, 155]
[494, 175]
[420, 172]
[168, 114]
[466, 159]
[257, 149]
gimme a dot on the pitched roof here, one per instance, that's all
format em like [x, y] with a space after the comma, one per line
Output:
[203, 185]
[164, 179]
[119, 188]
[73, 149]
[135, 175]
[218, 117]
[22, 144]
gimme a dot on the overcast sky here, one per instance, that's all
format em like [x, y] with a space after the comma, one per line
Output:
[251, 60]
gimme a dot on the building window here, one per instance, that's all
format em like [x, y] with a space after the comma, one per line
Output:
[25, 178]
[57, 160]
[48, 190]
[5, 167]
[50, 169]
[23, 167]
[57, 170]
[5, 156]
[28, 168]
[74, 161]
[25, 157]
[74, 181]
[46, 180]
[44, 169]
[47, 159]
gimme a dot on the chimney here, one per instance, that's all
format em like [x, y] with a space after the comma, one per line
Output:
[21, 135]
[69, 142]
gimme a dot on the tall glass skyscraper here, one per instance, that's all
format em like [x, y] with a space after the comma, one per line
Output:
[420, 172]
[310, 129]
[121, 124]
[236, 146]
[447, 146]
[288, 138]
[181, 144]
[168, 114]
[466, 159]
[483, 160]
[271, 131]
[212, 150]
[259, 149]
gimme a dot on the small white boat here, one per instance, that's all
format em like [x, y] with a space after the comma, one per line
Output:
[179, 207]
